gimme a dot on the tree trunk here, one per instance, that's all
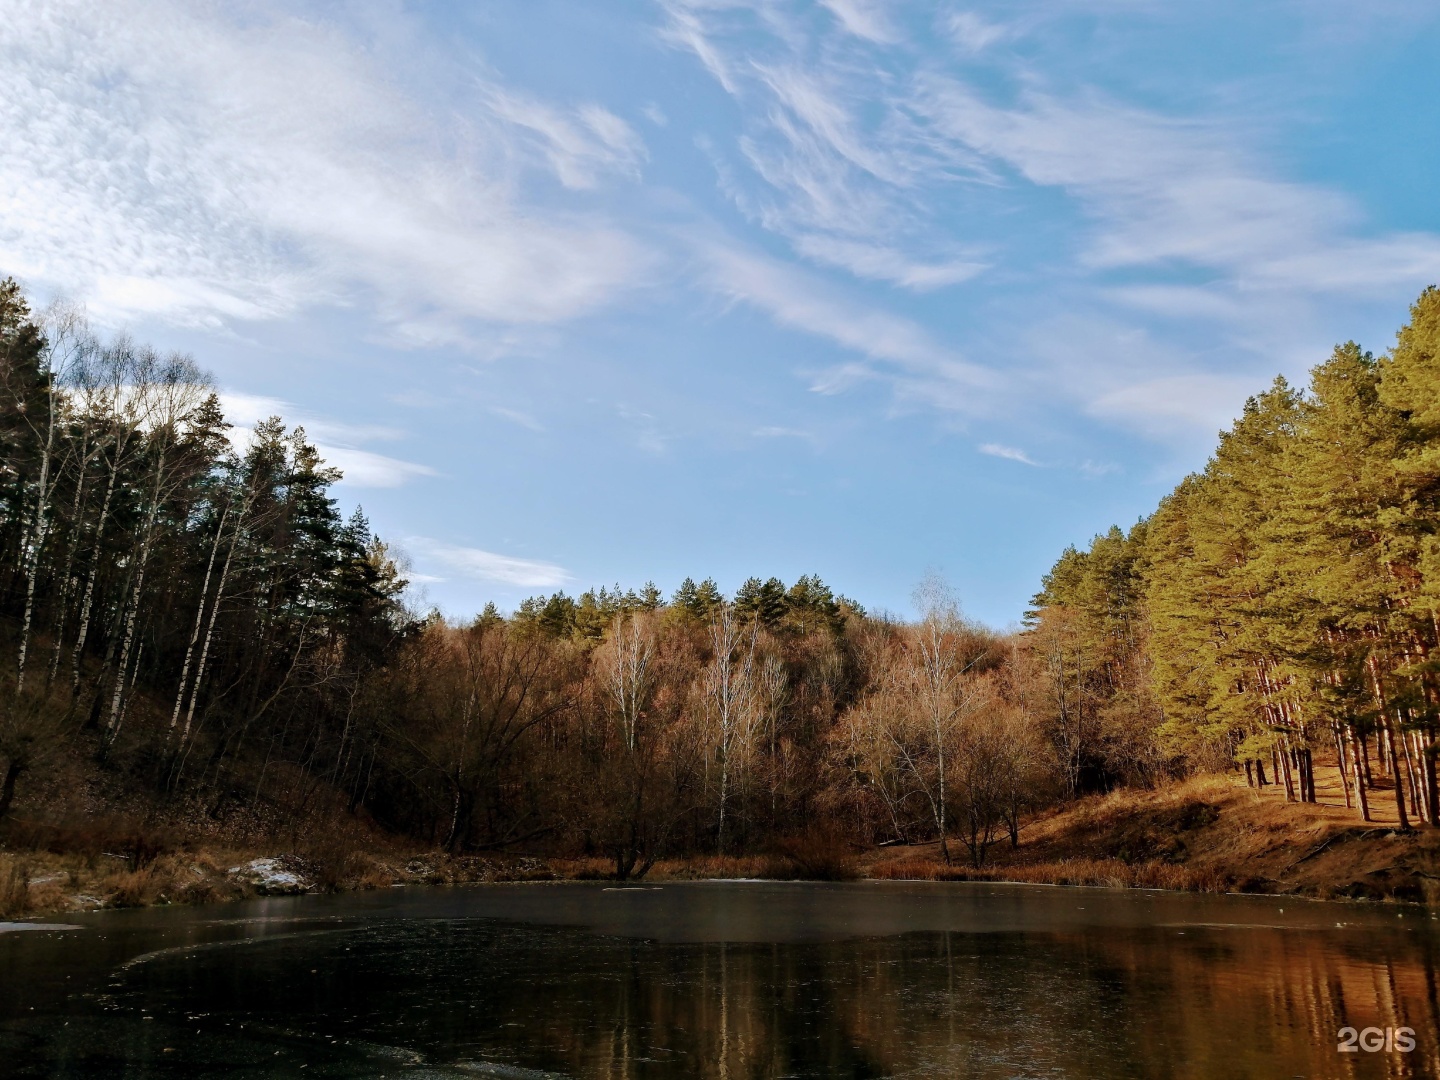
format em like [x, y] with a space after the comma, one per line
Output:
[36, 542]
[13, 769]
[1283, 756]
[1356, 757]
[1395, 773]
[67, 576]
[1411, 784]
[87, 603]
[112, 727]
[209, 635]
[1432, 803]
[199, 622]
[1343, 768]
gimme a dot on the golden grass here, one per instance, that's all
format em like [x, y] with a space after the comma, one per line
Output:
[1208, 834]
[1109, 873]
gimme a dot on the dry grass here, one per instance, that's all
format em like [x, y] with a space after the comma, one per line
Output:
[1206, 835]
[1109, 873]
[1209, 834]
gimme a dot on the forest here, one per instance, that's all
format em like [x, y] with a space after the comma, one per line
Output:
[193, 630]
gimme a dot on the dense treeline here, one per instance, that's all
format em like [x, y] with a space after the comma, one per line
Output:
[187, 610]
[621, 725]
[184, 608]
[1284, 603]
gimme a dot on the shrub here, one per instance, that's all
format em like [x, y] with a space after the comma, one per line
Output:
[14, 887]
[819, 855]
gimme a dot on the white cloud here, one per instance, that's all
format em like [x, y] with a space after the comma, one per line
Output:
[200, 164]
[363, 468]
[794, 300]
[844, 172]
[863, 18]
[1009, 453]
[686, 30]
[878, 263]
[1166, 191]
[335, 440]
[476, 564]
[972, 32]
[580, 144]
[1177, 408]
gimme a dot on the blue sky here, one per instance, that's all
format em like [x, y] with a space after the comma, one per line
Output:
[585, 293]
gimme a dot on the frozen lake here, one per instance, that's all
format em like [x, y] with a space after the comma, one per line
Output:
[725, 979]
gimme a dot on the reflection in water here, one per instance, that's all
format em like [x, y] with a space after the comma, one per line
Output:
[1121, 996]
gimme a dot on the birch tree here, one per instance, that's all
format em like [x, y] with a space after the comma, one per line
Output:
[631, 677]
[68, 342]
[171, 392]
[729, 696]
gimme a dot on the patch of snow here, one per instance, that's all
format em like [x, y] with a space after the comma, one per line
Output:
[15, 927]
[508, 1072]
[270, 876]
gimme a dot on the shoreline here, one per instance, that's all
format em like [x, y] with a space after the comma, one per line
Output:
[52, 920]
[1208, 835]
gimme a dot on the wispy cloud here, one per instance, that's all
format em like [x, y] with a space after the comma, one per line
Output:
[580, 143]
[476, 564]
[1167, 191]
[516, 416]
[869, 158]
[844, 172]
[1009, 453]
[794, 300]
[864, 18]
[685, 29]
[367, 469]
[1177, 408]
[199, 165]
[878, 263]
[338, 442]
[973, 32]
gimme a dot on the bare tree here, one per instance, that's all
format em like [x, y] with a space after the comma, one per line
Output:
[171, 390]
[1059, 663]
[631, 677]
[730, 704]
[111, 400]
[941, 694]
[68, 342]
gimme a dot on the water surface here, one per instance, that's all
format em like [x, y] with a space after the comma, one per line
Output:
[724, 980]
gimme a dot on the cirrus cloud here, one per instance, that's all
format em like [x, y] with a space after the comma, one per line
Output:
[200, 163]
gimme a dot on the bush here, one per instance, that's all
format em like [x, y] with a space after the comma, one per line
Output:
[14, 887]
[137, 844]
[818, 854]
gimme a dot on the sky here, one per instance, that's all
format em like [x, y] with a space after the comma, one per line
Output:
[579, 294]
